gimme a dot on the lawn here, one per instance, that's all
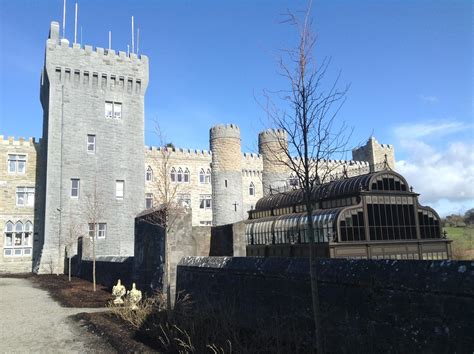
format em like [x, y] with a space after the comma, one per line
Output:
[462, 241]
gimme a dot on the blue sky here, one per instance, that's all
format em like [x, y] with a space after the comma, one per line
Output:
[409, 64]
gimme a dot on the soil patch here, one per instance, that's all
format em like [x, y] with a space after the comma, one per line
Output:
[74, 293]
[118, 333]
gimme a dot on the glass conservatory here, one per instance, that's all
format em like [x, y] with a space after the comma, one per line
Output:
[375, 215]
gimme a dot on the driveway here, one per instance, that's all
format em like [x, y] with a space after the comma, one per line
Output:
[30, 321]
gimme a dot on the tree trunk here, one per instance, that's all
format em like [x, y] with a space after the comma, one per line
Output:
[93, 262]
[69, 267]
[313, 269]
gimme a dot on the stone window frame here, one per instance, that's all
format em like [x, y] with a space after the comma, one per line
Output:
[91, 143]
[252, 189]
[100, 230]
[184, 200]
[173, 174]
[26, 195]
[15, 246]
[76, 188]
[113, 110]
[148, 200]
[119, 189]
[181, 175]
[204, 176]
[17, 159]
[149, 174]
[205, 201]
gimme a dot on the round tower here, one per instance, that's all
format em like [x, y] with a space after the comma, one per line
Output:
[226, 175]
[272, 144]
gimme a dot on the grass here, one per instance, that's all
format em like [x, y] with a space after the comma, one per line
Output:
[463, 241]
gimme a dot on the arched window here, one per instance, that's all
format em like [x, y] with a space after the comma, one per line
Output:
[180, 175]
[251, 189]
[8, 234]
[18, 233]
[186, 175]
[173, 175]
[208, 176]
[28, 233]
[149, 174]
[294, 180]
[202, 176]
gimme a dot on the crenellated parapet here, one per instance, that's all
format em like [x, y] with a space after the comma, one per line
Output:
[21, 141]
[375, 153]
[178, 153]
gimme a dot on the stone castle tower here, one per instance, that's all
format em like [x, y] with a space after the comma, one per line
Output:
[271, 146]
[374, 153]
[93, 134]
[226, 174]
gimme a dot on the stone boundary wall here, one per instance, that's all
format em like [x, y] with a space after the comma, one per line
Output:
[370, 306]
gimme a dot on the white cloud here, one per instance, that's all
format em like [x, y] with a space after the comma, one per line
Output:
[429, 99]
[443, 177]
[431, 128]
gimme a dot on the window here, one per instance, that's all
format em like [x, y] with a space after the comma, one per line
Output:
[293, 181]
[113, 109]
[251, 189]
[119, 189]
[205, 177]
[99, 229]
[184, 200]
[25, 196]
[149, 174]
[180, 175]
[186, 175]
[18, 238]
[75, 187]
[173, 175]
[16, 163]
[149, 200]
[91, 144]
[205, 201]
[205, 223]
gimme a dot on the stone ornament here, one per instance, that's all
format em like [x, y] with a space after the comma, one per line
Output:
[118, 291]
[134, 296]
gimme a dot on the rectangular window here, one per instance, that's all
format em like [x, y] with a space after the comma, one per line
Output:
[109, 109]
[205, 201]
[119, 189]
[184, 200]
[16, 163]
[148, 200]
[91, 144]
[113, 109]
[75, 187]
[100, 230]
[205, 223]
[86, 78]
[25, 196]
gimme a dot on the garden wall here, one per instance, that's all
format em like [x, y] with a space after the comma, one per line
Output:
[367, 305]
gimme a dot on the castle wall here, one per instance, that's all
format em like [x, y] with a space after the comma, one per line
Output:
[16, 254]
[374, 153]
[79, 82]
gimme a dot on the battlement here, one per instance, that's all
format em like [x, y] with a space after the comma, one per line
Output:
[19, 142]
[272, 135]
[225, 131]
[250, 156]
[106, 54]
[179, 152]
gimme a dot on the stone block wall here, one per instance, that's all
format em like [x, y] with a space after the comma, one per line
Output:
[9, 209]
[367, 306]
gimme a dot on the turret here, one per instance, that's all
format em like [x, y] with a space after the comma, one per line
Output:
[227, 204]
[374, 153]
[272, 146]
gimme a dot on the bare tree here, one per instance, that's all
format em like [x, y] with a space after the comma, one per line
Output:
[93, 213]
[73, 233]
[306, 112]
[167, 191]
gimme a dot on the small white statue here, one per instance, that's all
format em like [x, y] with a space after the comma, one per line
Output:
[134, 296]
[118, 291]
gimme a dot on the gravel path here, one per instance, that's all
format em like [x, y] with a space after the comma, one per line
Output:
[30, 321]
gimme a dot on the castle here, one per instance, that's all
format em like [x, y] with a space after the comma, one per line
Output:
[91, 174]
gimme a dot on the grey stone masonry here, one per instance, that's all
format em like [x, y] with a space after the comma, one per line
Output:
[91, 97]
[226, 175]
